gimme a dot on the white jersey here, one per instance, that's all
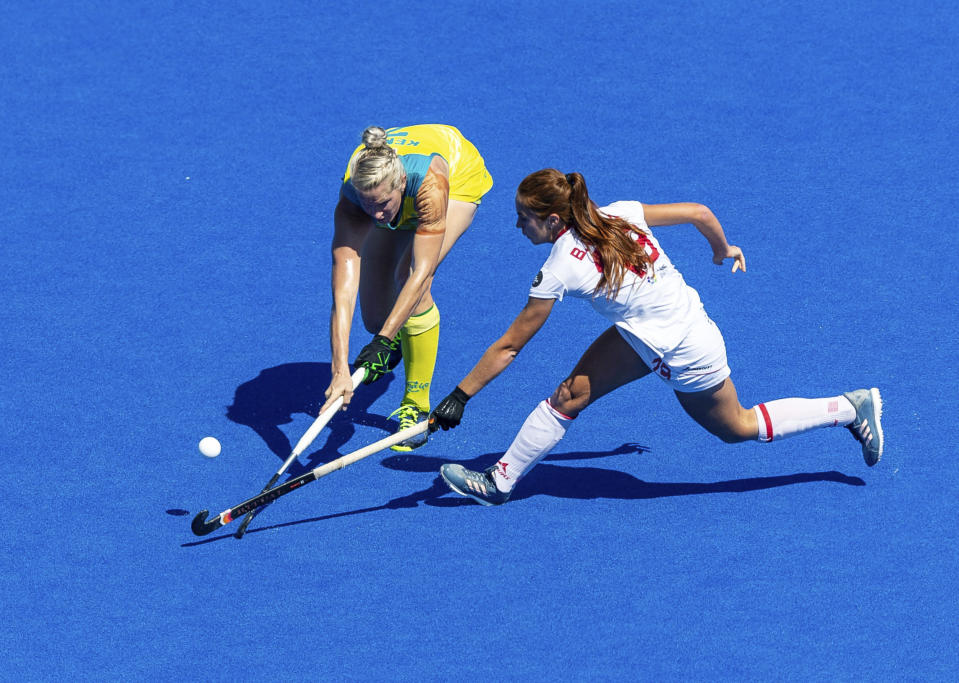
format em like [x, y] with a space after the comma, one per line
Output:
[657, 307]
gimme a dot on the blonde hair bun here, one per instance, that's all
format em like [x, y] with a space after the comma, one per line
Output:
[374, 137]
[376, 162]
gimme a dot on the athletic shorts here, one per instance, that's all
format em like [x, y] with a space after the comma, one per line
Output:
[697, 364]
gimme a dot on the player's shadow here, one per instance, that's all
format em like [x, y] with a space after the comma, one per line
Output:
[563, 481]
[272, 398]
[588, 483]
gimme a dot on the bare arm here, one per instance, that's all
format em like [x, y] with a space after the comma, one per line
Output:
[704, 220]
[432, 201]
[496, 359]
[502, 352]
[350, 227]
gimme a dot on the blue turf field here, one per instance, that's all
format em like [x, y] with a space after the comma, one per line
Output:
[168, 175]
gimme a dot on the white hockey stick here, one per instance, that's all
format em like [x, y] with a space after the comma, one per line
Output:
[201, 526]
[318, 424]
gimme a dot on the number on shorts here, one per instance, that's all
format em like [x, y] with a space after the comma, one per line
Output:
[660, 367]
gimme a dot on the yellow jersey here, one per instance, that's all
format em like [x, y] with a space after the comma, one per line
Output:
[416, 146]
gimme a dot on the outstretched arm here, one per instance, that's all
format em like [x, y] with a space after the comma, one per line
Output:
[496, 358]
[502, 352]
[704, 220]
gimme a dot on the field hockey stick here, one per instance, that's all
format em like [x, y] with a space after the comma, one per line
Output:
[201, 526]
[318, 424]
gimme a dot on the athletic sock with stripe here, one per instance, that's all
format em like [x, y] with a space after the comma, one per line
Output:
[790, 416]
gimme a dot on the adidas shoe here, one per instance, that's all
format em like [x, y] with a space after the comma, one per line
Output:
[477, 485]
[866, 427]
[410, 415]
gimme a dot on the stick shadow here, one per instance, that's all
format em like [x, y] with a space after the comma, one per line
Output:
[562, 481]
[272, 398]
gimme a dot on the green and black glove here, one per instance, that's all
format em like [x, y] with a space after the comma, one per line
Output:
[379, 357]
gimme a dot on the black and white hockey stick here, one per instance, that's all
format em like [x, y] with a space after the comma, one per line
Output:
[318, 424]
[202, 526]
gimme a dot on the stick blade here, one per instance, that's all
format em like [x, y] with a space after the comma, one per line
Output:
[201, 526]
[246, 522]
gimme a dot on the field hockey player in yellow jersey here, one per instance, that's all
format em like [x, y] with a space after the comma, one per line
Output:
[408, 194]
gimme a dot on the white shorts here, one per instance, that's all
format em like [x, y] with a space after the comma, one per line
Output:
[697, 364]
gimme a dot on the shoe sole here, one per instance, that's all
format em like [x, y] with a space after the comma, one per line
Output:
[405, 449]
[406, 446]
[877, 405]
[456, 489]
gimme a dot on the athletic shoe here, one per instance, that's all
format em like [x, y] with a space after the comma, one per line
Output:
[410, 415]
[866, 427]
[477, 485]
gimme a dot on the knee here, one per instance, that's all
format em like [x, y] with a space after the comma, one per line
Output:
[729, 436]
[570, 397]
[373, 324]
[736, 432]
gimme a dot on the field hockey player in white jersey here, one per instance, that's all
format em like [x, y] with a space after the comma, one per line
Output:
[609, 256]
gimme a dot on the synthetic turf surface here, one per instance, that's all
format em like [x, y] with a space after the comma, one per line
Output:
[168, 175]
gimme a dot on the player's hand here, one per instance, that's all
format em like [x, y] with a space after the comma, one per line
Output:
[378, 357]
[450, 411]
[340, 385]
[733, 252]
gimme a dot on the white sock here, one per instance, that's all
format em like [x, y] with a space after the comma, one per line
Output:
[790, 416]
[542, 430]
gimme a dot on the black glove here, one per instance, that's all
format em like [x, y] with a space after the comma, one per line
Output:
[450, 410]
[378, 357]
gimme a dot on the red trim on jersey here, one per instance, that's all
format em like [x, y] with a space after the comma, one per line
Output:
[769, 423]
[639, 236]
[565, 417]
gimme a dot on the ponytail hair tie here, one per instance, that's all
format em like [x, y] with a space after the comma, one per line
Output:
[569, 179]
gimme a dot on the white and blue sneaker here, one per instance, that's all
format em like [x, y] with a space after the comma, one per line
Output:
[476, 485]
[866, 427]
